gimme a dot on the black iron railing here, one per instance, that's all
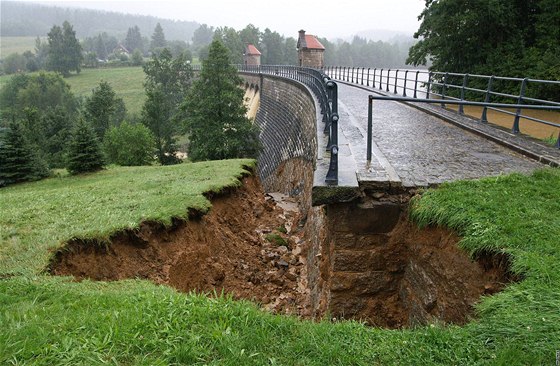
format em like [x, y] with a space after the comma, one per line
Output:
[461, 88]
[325, 90]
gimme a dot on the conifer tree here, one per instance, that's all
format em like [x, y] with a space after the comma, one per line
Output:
[19, 162]
[84, 150]
[158, 39]
[215, 114]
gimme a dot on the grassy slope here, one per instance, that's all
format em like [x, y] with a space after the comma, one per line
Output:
[9, 45]
[56, 321]
[37, 217]
[126, 81]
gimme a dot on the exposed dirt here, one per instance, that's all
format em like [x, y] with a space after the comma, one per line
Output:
[247, 245]
[251, 246]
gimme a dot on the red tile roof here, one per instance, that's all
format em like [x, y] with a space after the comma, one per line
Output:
[313, 43]
[252, 50]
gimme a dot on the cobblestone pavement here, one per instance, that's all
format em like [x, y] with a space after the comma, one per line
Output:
[415, 149]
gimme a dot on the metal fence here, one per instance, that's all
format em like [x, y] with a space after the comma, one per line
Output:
[326, 92]
[509, 93]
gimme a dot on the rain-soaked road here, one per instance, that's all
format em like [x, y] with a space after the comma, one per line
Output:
[417, 149]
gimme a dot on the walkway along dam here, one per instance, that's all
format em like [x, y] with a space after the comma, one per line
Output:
[365, 260]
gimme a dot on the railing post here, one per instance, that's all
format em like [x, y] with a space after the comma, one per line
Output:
[416, 84]
[444, 89]
[362, 76]
[465, 78]
[429, 85]
[388, 80]
[369, 129]
[484, 117]
[396, 81]
[332, 174]
[515, 128]
[353, 76]
[405, 80]
[367, 80]
[373, 82]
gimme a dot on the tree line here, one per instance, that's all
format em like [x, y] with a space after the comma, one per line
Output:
[44, 126]
[516, 38]
[26, 19]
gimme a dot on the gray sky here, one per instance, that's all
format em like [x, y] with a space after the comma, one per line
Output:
[325, 18]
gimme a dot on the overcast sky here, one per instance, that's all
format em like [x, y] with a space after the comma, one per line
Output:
[325, 18]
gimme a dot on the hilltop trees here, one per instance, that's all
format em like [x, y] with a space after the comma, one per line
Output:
[65, 52]
[167, 82]
[215, 114]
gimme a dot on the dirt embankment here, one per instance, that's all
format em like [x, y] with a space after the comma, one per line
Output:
[247, 245]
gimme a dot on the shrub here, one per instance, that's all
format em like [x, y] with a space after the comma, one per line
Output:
[129, 144]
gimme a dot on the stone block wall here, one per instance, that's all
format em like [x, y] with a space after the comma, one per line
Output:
[287, 120]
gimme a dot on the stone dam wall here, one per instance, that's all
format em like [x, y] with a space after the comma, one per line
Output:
[287, 120]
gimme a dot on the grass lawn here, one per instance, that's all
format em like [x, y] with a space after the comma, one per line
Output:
[54, 321]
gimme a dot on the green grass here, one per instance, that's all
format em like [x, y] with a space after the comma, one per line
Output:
[126, 81]
[56, 321]
[9, 45]
[36, 218]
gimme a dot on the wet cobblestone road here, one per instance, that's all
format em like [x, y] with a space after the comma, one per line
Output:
[413, 148]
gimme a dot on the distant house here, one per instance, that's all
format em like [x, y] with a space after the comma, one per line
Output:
[120, 49]
[252, 55]
[310, 50]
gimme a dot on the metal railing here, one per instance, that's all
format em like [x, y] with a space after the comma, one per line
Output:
[371, 98]
[325, 90]
[461, 88]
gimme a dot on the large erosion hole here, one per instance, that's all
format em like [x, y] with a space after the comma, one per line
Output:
[406, 276]
[252, 246]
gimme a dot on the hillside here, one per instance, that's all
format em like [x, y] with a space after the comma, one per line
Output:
[28, 19]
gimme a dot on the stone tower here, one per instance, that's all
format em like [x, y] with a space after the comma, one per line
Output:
[310, 51]
[252, 56]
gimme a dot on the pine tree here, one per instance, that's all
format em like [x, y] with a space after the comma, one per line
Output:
[101, 107]
[65, 51]
[215, 114]
[158, 39]
[84, 150]
[19, 162]
[133, 40]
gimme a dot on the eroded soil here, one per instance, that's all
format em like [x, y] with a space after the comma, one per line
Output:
[251, 246]
[247, 246]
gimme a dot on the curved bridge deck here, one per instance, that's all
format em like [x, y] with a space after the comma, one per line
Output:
[412, 148]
